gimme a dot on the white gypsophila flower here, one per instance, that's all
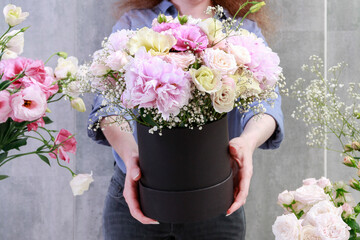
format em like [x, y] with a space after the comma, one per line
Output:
[14, 15]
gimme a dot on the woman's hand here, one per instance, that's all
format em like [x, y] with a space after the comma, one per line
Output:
[241, 152]
[256, 132]
[126, 146]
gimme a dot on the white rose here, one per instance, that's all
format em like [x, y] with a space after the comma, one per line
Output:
[117, 60]
[80, 183]
[309, 181]
[182, 59]
[287, 227]
[285, 197]
[241, 54]
[223, 100]
[66, 67]
[309, 232]
[319, 210]
[213, 29]
[323, 182]
[219, 60]
[14, 15]
[310, 194]
[9, 54]
[16, 43]
[331, 226]
[98, 69]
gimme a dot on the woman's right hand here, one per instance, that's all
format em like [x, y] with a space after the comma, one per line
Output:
[126, 146]
[131, 193]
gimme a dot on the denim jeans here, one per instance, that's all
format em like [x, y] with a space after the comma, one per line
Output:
[120, 225]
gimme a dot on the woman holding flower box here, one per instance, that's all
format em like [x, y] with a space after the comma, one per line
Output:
[123, 218]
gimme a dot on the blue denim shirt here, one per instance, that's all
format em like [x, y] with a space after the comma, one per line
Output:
[139, 18]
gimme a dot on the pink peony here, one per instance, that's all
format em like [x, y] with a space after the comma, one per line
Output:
[5, 109]
[118, 40]
[181, 59]
[34, 125]
[264, 62]
[67, 143]
[153, 83]
[28, 104]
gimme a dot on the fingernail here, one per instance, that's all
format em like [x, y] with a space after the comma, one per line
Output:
[228, 214]
[155, 222]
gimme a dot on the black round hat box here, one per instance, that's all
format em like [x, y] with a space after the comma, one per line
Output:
[186, 174]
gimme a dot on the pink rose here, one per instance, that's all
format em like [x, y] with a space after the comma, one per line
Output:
[309, 181]
[286, 198]
[181, 59]
[310, 194]
[331, 226]
[323, 182]
[28, 104]
[219, 60]
[5, 109]
[67, 143]
[34, 125]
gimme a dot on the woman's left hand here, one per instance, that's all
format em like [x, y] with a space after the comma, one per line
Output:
[241, 153]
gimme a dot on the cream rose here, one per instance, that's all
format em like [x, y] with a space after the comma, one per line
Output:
[241, 54]
[66, 67]
[117, 60]
[331, 226]
[14, 15]
[287, 227]
[285, 197]
[182, 59]
[154, 42]
[319, 210]
[310, 194]
[213, 29]
[206, 80]
[309, 232]
[80, 183]
[223, 100]
[220, 61]
[16, 43]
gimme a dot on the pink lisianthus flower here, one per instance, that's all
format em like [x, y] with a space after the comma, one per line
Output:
[166, 26]
[34, 125]
[28, 104]
[153, 83]
[66, 143]
[264, 62]
[5, 109]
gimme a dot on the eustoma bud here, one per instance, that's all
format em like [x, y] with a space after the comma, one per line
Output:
[161, 18]
[257, 7]
[78, 104]
[183, 19]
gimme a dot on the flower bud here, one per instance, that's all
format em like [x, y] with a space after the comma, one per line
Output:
[48, 110]
[286, 198]
[78, 104]
[183, 19]
[348, 148]
[161, 18]
[349, 161]
[357, 209]
[357, 115]
[355, 146]
[256, 7]
[80, 183]
[354, 184]
[62, 54]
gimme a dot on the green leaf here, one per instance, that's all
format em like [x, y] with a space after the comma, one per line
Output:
[21, 125]
[3, 156]
[45, 159]
[2, 177]
[4, 85]
[15, 144]
[47, 120]
[353, 224]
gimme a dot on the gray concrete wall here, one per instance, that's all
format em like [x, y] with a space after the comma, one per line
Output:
[36, 201]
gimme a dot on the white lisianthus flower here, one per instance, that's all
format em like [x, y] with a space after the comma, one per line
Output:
[66, 67]
[213, 29]
[80, 183]
[73, 89]
[14, 15]
[287, 227]
[16, 43]
[8, 54]
[223, 100]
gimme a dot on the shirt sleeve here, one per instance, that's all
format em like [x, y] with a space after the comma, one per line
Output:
[100, 110]
[275, 111]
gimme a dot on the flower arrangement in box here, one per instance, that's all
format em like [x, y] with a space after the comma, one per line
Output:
[27, 87]
[178, 79]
